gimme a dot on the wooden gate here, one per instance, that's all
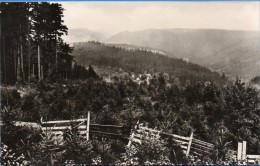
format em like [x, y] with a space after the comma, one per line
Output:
[59, 126]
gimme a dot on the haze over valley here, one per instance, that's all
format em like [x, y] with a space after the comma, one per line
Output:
[229, 51]
[222, 36]
[236, 53]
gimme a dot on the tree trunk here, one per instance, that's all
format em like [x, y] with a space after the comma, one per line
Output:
[51, 158]
[4, 60]
[29, 61]
[39, 63]
[18, 69]
[29, 51]
[2, 51]
[41, 71]
[22, 64]
[15, 67]
[33, 70]
[49, 68]
[56, 53]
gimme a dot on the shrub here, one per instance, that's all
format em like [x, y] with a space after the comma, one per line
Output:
[76, 147]
[152, 150]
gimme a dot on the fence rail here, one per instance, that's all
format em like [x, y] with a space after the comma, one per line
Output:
[189, 145]
[106, 126]
[251, 159]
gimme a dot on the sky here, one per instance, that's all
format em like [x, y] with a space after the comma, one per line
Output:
[113, 17]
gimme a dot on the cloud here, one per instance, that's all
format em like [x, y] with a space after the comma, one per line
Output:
[113, 17]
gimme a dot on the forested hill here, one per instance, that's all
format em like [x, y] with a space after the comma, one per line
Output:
[234, 52]
[139, 61]
[256, 81]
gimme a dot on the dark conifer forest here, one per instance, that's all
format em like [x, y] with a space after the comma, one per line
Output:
[32, 44]
[142, 61]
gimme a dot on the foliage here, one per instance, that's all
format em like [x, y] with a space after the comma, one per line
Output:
[176, 154]
[152, 150]
[76, 147]
[48, 149]
[19, 139]
[107, 150]
[242, 114]
[12, 134]
[8, 157]
[222, 145]
[213, 112]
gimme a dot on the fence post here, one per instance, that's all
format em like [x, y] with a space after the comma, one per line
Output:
[189, 145]
[133, 133]
[88, 123]
[239, 152]
[244, 151]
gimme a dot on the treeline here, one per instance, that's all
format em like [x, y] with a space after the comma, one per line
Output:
[32, 47]
[139, 61]
[256, 80]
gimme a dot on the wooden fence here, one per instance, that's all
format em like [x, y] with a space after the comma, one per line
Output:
[244, 158]
[109, 131]
[85, 128]
[59, 126]
[189, 144]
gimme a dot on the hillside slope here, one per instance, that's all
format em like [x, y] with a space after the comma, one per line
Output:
[139, 61]
[235, 52]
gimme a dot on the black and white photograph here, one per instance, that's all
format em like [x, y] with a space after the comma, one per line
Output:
[130, 83]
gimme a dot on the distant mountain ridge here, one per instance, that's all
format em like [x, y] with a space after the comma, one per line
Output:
[231, 51]
[132, 47]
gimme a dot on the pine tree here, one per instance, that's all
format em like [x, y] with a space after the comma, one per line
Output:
[92, 73]
[242, 113]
